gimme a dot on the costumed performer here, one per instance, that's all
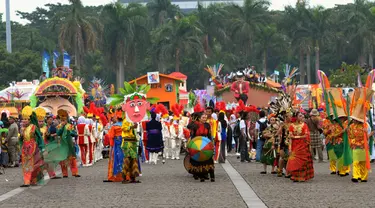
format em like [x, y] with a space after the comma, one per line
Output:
[359, 131]
[177, 131]
[83, 140]
[67, 132]
[154, 138]
[116, 155]
[271, 142]
[214, 131]
[32, 149]
[300, 164]
[240, 88]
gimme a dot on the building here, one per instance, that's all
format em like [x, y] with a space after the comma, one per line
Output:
[187, 5]
[168, 89]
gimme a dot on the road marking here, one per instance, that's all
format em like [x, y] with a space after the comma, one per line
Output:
[20, 190]
[246, 192]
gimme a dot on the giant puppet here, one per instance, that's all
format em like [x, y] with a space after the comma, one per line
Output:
[134, 103]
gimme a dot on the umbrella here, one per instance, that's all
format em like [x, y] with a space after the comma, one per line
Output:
[201, 149]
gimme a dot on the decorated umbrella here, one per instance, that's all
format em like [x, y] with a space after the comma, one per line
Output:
[200, 149]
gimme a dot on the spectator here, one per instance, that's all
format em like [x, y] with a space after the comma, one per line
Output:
[5, 120]
[4, 159]
[262, 79]
[12, 140]
[260, 126]
[42, 77]
[244, 137]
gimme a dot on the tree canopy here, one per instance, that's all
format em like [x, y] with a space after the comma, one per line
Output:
[118, 42]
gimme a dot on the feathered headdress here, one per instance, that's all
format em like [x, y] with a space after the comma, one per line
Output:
[90, 111]
[289, 74]
[162, 110]
[282, 104]
[177, 109]
[221, 106]
[132, 91]
[214, 70]
[198, 108]
[99, 90]
[241, 107]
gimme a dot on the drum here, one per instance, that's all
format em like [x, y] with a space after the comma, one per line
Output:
[187, 162]
[200, 148]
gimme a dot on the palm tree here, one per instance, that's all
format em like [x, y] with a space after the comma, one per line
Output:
[77, 32]
[178, 38]
[319, 24]
[246, 20]
[161, 11]
[121, 28]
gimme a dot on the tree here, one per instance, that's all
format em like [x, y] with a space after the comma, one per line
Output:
[121, 26]
[161, 11]
[77, 32]
[180, 37]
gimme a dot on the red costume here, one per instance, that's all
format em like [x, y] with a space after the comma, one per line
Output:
[83, 141]
[239, 88]
[144, 140]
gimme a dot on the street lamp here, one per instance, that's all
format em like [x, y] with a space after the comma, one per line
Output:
[8, 28]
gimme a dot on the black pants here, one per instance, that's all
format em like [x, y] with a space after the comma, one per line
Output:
[229, 139]
[236, 140]
[222, 152]
[242, 97]
[244, 149]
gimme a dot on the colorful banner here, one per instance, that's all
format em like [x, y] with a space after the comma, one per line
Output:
[66, 59]
[56, 55]
[45, 63]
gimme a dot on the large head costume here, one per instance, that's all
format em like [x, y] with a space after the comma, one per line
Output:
[98, 92]
[133, 101]
[58, 93]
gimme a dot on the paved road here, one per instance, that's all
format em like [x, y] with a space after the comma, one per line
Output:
[324, 190]
[170, 186]
[166, 185]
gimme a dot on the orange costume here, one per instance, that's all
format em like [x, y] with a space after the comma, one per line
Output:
[115, 140]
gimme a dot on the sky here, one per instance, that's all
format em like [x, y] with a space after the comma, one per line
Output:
[30, 5]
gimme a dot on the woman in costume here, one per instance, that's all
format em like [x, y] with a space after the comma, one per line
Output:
[201, 169]
[269, 151]
[116, 155]
[223, 126]
[283, 147]
[130, 169]
[300, 164]
[32, 148]
[154, 138]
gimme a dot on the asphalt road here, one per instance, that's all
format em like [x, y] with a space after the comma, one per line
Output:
[169, 185]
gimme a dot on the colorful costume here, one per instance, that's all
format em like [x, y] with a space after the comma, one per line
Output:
[154, 139]
[300, 164]
[129, 146]
[32, 147]
[66, 133]
[268, 154]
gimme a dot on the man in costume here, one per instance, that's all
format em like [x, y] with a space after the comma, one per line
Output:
[83, 140]
[240, 88]
[176, 130]
[144, 141]
[166, 125]
[359, 132]
[66, 132]
[32, 149]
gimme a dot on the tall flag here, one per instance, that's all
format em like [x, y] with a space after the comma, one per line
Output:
[45, 63]
[66, 59]
[56, 55]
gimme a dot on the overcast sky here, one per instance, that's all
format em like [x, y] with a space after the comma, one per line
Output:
[30, 5]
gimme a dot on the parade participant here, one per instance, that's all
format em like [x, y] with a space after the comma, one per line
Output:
[101, 123]
[177, 131]
[201, 169]
[66, 132]
[214, 131]
[129, 146]
[300, 164]
[240, 88]
[271, 141]
[32, 149]
[314, 129]
[91, 139]
[154, 138]
[223, 126]
[283, 147]
[116, 155]
[44, 130]
[166, 137]
[359, 132]
[144, 138]
[12, 139]
[83, 140]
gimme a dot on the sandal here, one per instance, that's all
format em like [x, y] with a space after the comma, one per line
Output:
[263, 172]
[135, 181]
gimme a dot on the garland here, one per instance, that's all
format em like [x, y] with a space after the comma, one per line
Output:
[260, 87]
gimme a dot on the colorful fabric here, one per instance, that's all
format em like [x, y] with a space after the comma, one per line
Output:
[127, 131]
[111, 176]
[130, 168]
[117, 155]
[268, 155]
[316, 141]
[360, 171]
[72, 162]
[357, 133]
[300, 164]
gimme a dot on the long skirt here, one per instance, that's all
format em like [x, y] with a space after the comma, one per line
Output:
[268, 155]
[32, 163]
[130, 168]
[201, 168]
[115, 154]
[300, 163]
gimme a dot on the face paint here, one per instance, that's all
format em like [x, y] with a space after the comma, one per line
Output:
[136, 108]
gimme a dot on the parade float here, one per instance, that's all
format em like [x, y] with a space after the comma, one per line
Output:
[58, 93]
[263, 92]
[16, 96]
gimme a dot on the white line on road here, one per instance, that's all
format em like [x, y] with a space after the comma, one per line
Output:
[246, 192]
[20, 190]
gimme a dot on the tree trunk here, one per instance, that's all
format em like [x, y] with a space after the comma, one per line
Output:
[205, 45]
[301, 66]
[120, 74]
[265, 62]
[308, 66]
[77, 58]
[361, 60]
[177, 56]
[371, 61]
[317, 60]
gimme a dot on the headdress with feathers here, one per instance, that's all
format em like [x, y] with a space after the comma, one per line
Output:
[177, 109]
[282, 104]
